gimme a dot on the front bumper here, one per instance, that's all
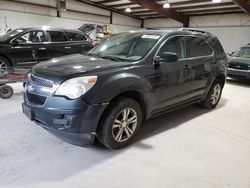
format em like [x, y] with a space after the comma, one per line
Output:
[240, 74]
[72, 120]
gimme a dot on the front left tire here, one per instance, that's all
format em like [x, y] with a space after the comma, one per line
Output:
[5, 65]
[120, 123]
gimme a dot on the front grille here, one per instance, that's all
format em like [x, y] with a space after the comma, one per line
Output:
[35, 99]
[41, 82]
[238, 66]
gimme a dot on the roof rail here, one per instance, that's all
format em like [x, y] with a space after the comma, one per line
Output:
[194, 30]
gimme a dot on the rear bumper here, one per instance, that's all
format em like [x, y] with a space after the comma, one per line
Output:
[240, 74]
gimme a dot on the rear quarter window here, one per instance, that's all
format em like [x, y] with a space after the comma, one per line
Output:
[219, 51]
[198, 47]
[57, 36]
[75, 36]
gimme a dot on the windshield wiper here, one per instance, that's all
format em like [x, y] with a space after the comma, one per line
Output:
[111, 58]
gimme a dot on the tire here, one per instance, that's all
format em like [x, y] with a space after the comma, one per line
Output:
[214, 95]
[6, 91]
[115, 131]
[5, 65]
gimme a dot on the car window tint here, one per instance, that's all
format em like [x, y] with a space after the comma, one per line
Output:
[38, 36]
[57, 36]
[198, 47]
[31, 37]
[218, 47]
[75, 36]
[25, 38]
[175, 45]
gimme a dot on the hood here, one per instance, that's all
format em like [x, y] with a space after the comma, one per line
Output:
[73, 65]
[239, 60]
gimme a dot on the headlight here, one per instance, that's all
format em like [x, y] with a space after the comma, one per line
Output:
[76, 87]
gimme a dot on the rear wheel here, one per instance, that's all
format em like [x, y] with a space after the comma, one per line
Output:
[120, 123]
[4, 65]
[214, 95]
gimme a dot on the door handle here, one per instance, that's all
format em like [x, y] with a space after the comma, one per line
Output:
[187, 67]
[42, 48]
[67, 47]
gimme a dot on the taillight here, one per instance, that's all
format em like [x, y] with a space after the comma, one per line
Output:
[226, 60]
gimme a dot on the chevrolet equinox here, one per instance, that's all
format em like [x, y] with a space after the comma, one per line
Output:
[109, 92]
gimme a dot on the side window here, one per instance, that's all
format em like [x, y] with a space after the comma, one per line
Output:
[198, 47]
[24, 39]
[31, 37]
[176, 45]
[38, 36]
[218, 48]
[75, 36]
[57, 36]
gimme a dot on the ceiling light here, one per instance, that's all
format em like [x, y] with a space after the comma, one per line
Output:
[128, 9]
[217, 1]
[166, 4]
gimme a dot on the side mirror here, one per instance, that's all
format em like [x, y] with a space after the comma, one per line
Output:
[166, 57]
[15, 42]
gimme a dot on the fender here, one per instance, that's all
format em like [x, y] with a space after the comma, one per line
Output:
[111, 87]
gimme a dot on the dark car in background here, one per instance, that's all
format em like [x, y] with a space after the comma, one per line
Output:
[110, 91]
[239, 63]
[18, 48]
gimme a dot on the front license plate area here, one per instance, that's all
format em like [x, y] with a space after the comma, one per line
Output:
[28, 111]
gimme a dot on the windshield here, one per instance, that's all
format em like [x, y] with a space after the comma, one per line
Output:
[9, 35]
[243, 52]
[125, 47]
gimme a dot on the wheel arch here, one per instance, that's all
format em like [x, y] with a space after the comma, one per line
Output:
[132, 94]
[221, 77]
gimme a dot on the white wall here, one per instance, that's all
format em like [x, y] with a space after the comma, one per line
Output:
[15, 14]
[233, 30]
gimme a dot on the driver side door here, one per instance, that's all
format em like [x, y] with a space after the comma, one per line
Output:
[171, 80]
[23, 46]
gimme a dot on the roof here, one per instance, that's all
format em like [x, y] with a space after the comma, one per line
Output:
[48, 28]
[181, 30]
[179, 10]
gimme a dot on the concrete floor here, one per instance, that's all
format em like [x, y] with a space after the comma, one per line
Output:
[189, 148]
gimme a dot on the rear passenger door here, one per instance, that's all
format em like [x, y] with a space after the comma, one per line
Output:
[58, 44]
[78, 42]
[201, 56]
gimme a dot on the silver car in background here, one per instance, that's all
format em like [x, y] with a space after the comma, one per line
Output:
[239, 63]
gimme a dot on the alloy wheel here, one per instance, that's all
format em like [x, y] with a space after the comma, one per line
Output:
[3, 67]
[216, 94]
[124, 125]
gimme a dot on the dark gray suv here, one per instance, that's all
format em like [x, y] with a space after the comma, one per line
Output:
[109, 92]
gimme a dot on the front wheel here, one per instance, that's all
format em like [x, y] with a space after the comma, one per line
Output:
[214, 95]
[4, 65]
[120, 123]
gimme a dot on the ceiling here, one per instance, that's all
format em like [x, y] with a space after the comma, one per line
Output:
[180, 10]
